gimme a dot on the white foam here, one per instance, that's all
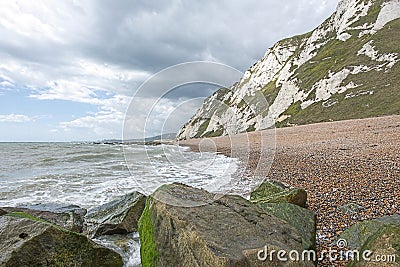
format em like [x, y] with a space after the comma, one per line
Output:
[95, 181]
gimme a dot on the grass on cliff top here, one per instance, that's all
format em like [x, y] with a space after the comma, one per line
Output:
[220, 93]
[385, 100]
[372, 15]
[385, 84]
[336, 54]
[294, 40]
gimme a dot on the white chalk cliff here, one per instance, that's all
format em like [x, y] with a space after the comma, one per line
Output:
[346, 68]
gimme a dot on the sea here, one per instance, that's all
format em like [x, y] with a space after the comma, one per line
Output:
[91, 174]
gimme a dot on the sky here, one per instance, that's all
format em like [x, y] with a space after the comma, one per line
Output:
[70, 69]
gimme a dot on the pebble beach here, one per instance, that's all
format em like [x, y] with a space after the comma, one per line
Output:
[354, 162]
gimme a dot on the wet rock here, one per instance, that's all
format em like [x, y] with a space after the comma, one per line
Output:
[351, 208]
[70, 217]
[383, 245]
[26, 240]
[126, 245]
[119, 216]
[276, 192]
[305, 221]
[359, 233]
[184, 226]
[2, 212]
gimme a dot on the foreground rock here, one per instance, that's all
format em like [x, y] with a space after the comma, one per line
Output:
[29, 241]
[383, 244]
[70, 217]
[2, 212]
[358, 234]
[116, 217]
[276, 192]
[304, 220]
[380, 236]
[196, 229]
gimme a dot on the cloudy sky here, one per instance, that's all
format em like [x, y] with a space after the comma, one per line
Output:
[69, 69]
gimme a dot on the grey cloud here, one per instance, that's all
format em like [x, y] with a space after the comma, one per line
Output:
[72, 49]
[151, 36]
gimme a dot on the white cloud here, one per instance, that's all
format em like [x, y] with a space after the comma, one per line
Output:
[166, 116]
[6, 84]
[103, 124]
[15, 118]
[99, 52]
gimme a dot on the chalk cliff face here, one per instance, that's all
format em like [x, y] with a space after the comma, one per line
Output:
[346, 68]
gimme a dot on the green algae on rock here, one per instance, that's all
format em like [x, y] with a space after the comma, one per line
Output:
[70, 217]
[220, 231]
[29, 241]
[304, 220]
[276, 192]
[359, 233]
[384, 245]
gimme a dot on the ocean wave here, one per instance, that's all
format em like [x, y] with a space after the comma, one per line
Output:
[91, 175]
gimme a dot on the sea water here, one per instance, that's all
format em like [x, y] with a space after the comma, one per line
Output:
[89, 175]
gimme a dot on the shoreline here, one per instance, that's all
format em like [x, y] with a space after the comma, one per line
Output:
[337, 163]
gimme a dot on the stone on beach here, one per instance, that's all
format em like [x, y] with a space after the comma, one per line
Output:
[383, 245]
[304, 220]
[276, 192]
[358, 234]
[119, 216]
[26, 240]
[309, 157]
[211, 230]
[67, 216]
[351, 208]
[2, 212]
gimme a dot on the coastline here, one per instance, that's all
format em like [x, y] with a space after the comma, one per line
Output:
[337, 163]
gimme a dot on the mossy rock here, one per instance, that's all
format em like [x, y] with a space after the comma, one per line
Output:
[219, 231]
[384, 243]
[119, 216]
[359, 233]
[276, 192]
[305, 221]
[267, 188]
[26, 240]
[67, 216]
[2, 212]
